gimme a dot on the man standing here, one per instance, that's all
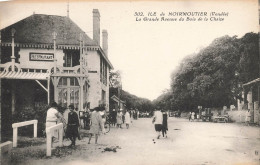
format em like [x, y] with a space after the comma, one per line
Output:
[157, 121]
[73, 124]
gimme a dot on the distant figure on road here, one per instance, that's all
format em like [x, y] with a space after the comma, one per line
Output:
[164, 123]
[119, 119]
[157, 121]
[73, 125]
[192, 116]
[189, 116]
[127, 119]
[248, 117]
[113, 117]
[96, 125]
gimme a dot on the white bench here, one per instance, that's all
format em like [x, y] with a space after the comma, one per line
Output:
[21, 124]
[49, 134]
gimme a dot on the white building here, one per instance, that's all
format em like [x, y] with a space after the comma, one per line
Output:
[47, 58]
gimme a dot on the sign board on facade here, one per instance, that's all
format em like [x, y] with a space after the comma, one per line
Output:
[92, 71]
[41, 56]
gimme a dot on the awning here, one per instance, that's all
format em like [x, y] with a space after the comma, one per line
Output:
[116, 99]
[251, 82]
[24, 75]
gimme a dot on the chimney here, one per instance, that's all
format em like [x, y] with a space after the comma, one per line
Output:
[96, 26]
[104, 43]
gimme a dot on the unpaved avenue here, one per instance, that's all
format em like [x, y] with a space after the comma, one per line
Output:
[187, 143]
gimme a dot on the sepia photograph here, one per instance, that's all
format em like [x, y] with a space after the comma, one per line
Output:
[118, 82]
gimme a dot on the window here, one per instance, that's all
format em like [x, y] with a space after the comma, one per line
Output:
[103, 99]
[71, 58]
[68, 91]
[103, 71]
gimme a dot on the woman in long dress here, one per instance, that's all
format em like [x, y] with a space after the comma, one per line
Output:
[127, 119]
[119, 119]
[96, 125]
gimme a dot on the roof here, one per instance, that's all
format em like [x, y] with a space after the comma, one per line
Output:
[38, 28]
[252, 82]
[24, 75]
[36, 31]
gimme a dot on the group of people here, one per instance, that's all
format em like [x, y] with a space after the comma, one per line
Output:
[71, 122]
[120, 117]
[160, 121]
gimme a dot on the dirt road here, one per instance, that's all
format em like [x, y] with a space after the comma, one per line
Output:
[187, 143]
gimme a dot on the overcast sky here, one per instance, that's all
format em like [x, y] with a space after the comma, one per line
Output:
[146, 53]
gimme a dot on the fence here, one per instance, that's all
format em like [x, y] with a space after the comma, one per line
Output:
[21, 124]
[6, 152]
[49, 133]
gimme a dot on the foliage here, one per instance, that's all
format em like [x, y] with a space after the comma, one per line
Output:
[115, 79]
[33, 113]
[213, 76]
[132, 101]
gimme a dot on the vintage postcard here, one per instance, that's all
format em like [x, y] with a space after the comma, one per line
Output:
[130, 82]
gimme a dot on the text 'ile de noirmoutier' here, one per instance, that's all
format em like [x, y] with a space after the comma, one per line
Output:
[180, 16]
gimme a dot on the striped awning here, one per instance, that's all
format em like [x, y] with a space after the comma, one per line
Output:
[24, 75]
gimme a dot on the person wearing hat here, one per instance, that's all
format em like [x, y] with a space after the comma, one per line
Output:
[73, 124]
[52, 117]
[96, 124]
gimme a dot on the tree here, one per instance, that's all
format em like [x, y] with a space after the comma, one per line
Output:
[212, 76]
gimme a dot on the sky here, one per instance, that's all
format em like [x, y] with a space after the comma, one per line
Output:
[147, 52]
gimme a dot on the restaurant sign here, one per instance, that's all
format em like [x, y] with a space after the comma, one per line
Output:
[41, 57]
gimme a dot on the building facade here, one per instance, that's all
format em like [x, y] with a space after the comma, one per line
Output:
[47, 58]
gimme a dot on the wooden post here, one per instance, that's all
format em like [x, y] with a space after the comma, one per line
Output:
[256, 111]
[49, 134]
[13, 69]
[21, 124]
[13, 56]
[15, 137]
[35, 130]
[54, 34]
[6, 148]
[81, 93]
[48, 86]
[13, 97]
[48, 143]
[55, 82]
